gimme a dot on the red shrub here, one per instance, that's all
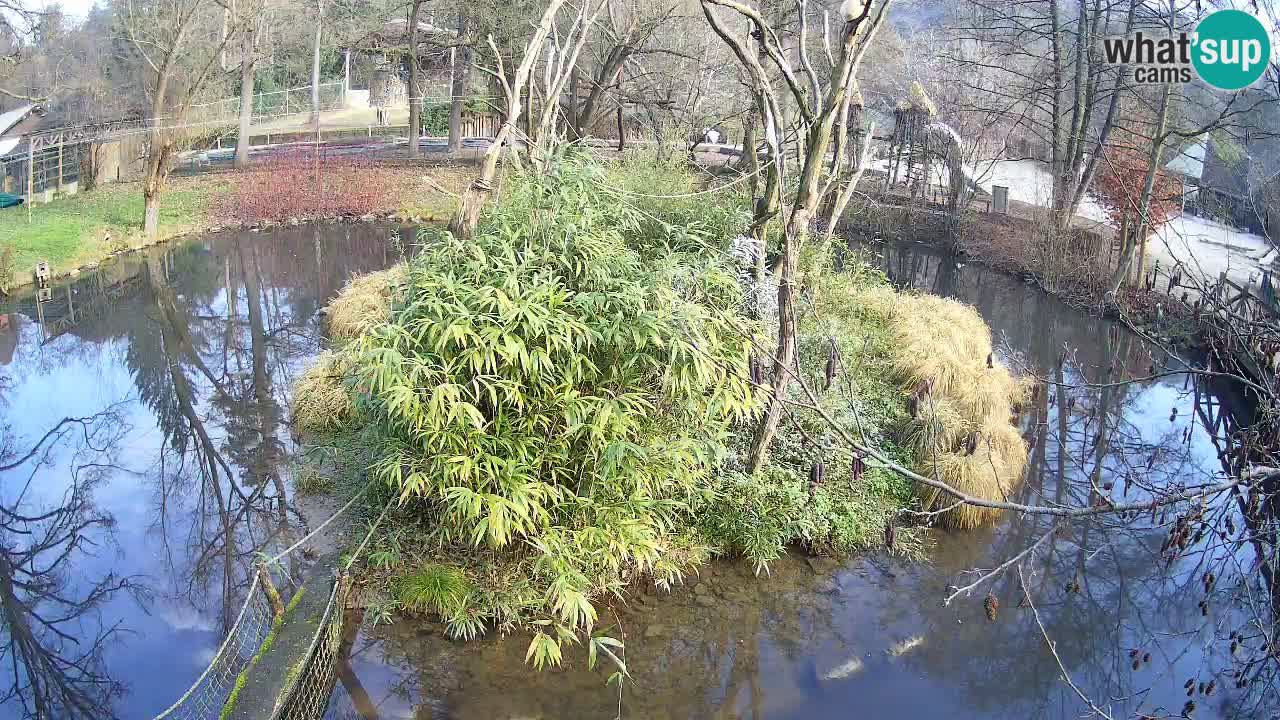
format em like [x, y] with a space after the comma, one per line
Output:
[1122, 174]
[310, 183]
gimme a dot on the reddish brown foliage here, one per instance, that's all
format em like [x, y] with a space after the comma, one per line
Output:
[1122, 175]
[310, 183]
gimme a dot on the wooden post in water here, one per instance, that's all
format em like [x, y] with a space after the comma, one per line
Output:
[273, 595]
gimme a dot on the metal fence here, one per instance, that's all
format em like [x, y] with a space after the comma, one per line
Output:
[275, 104]
[54, 168]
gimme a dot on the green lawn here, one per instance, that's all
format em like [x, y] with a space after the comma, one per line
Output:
[84, 228]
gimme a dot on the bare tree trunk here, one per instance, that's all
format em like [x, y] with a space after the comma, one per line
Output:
[154, 181]
[248, 68]
[415, 89]
[571, 108]
[610, 70]
[461, 71]
[1057, 162]
[748, 162]
[159, 143]
[1139, 231]
[477, 194]
[315, 65]
[821, 114]
[622, 132]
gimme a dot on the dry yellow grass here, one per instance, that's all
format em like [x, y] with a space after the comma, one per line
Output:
[937, 426]
[320, 397]
[364, 303]
[962, 432]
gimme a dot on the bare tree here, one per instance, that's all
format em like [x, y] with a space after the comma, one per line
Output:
[819, 110]
[180, 46]
[459, 75]
[415, 85]
[315, 65]
[477, 194]
[249, 18]
[630, 26]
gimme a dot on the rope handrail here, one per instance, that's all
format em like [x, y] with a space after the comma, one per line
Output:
[248, 600]
[252, 597]
[276, 558]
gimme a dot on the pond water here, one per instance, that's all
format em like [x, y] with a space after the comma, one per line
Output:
[125, 537]
[161, 379]
[870, 636]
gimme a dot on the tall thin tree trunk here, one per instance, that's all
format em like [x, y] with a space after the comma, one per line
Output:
[461, 71]
[159, 144]
[315, 65]
[1148, 185]
[248, 68]
[477, 194]
[622, 132]
[415, 89]
[1059, 220]
[748, 162]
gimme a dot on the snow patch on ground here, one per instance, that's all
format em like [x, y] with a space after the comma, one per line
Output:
[1210, 247]
[1029, 181]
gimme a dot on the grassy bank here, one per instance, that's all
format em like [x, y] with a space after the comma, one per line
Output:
[560, 408]
[83, 229]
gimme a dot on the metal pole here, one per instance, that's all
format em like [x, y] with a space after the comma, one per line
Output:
[346, 73]
[31, 175]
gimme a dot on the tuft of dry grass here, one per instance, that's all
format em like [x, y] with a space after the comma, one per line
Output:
[364, 303]
[936, 426]
[962, 429]
[321, 400]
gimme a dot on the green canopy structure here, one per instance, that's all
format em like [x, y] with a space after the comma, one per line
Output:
[7, 200]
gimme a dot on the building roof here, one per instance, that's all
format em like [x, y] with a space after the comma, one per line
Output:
[1189, 162]
[10, 119]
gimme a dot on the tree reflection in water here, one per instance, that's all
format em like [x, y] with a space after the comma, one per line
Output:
[201, 340]
[53, 637]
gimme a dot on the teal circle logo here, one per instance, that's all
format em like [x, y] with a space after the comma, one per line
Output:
[1232, 49]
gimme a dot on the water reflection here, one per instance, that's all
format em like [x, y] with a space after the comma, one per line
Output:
[192, 349]
[871, 637]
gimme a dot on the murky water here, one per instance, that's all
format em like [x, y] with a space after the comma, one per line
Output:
[161, 380]
[871, 637]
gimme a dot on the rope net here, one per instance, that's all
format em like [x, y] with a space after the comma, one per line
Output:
[306, 692]
[210, 692]
[308, 697]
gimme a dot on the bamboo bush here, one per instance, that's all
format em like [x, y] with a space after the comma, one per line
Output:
[545, 393]
[561, 406]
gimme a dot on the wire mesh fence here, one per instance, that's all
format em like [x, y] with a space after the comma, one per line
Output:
[274, 104]
[308, 697]
[309, 683]
[208, 695]
[49, 169]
